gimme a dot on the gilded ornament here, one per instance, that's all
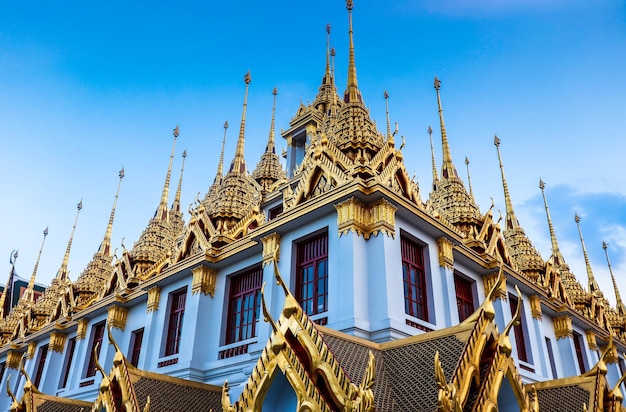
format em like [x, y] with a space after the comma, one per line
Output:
[154, 295]
[271, 247]
[203, 280]
[13, 359]
[30, 352]
[366, 219]
[490, 280]
[563, 327]
[117, 317]
[81, 330]
[535, 307]
[611, 355]
[57, 341]
[446, 258]
[591, 339]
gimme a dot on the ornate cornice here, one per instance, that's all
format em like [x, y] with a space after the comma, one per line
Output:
[366, 219]
[57, 341]
[154, 295]
[446, 258]
[203, 280]
[116, 317]
[563, 327]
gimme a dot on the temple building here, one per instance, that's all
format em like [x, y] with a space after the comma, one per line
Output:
[335, 283]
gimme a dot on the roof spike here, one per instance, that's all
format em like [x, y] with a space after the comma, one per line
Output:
[62, 273]
[162, 212]
[3, 310]
[621, 308]
[271, 147]
[333, 53]
[220, 166]
[28, 294]
[447, 170]
[556, 253]
[328, 74]
[238, 164]
[352, 94]
[176, 203]
[105, 246]
[469, 178]
[390, 138]
[432, 151]
[593, 285]
[511, 220]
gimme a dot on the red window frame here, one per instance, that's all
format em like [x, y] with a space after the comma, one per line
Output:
[312, 274]
[71, 345]
[41, 362]
[464, 289]
[520, 341]
[244, 305]
[175, 321]
[578, 347]
[136, 340]
[414, 279]
[97, 333]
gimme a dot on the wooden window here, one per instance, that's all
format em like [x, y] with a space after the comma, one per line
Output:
[551, 358]
[520, 338]
[244, 305]
[464, 296]
[414, 277]
[41, 362]
[312, 274]
[275, 211]
[177, 302]
[97, 332]
[135, 346]
[67, 364]
[578, 347]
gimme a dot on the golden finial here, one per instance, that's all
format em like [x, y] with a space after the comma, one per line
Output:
[105, 246]
[62, 273]
[511, 220]
[270, 141]
[389, 135]
[327, 75]
[469, 178]
[556, 253]
[621, 308]
[12, 259]
[162, 212]
[28, 293]
[593, 285]
[238, 164]
[432, 151]
[220, 166]
[176, 203]
[333, 53]
[448, 170]
[352, 94]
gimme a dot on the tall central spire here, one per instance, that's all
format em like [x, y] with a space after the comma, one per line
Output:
[447, 170]
[105, 246]
[238, 164]
[511, 220]
[621, 308]
[352, 94]
[270, 140]
[162, 212]
[593, 285]
[62, 273]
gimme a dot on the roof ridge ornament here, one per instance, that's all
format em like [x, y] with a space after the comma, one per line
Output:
[434, 163]
[162, 212]
[12, 259]
[621, 308]
[28, 294]
[176, 203]
[105, 246]
[63, 273]
[511, 219]
[556, 253]
[594, 288]
[469, 179]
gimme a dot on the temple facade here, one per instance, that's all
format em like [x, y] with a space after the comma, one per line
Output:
[335, 283]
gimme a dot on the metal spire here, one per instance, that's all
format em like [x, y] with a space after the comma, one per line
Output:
[176, 203]
[621, 308]
[62, 273]
[238, 164]
[447, 170]
[352, 94]
[469, 178]
[511, 220]
[28, 293]
[593, 285]
[220, 166]
[270, 141]
[327, 74]
[162, 212]
[432, 151]
[556, 253]
[390, 138]
[105, 246]
[12, 259]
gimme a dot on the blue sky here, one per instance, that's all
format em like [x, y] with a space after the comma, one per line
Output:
[88, 87]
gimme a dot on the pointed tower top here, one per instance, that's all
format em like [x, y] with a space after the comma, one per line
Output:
[269, 169]
[390, 139]
[621, 308]
[352, 94]
[162, 213]
[447, 170]
[511, 220]
[63, 272]
[220, 166]
[556, 253]
[270, 141]
[3, 310]
[105, 246]
[238, 164]
[328, 76]
[469, 177]
[176, 203]
[432, 151]
[28, 293]
[593, 285]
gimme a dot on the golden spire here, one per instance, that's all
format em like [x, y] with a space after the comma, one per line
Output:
[333, 53]
[105, 246]
[621, 308]
[269, 170]
[270, 141]
[328, 74]
[593, 285]
[62, 273]
[161, 212]
[469, 178]
[389, 135]
[220, 166]
[447, 170]
[511, 220]
[238, 164]
[556, 253]
[432, 151]
[28, 293]
[352, 94]
[12, 259]
[176, 203]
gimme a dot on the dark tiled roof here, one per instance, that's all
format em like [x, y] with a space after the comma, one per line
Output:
[167, 395]
[563, 398]
[56, 404]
